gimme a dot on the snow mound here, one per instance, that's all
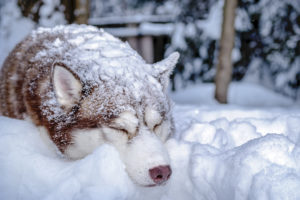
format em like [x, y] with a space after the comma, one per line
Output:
[264, 168]
[30, 170]
[241, 93]
[216, 153]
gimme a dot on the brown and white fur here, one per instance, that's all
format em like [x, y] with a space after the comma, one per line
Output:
[83, 88]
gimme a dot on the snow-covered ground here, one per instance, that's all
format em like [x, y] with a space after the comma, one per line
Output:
[240, 93]
[249, 149]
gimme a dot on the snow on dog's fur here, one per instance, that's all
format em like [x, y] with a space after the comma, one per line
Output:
[83, 87]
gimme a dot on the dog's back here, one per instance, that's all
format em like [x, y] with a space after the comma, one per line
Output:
[12, 81]
[21, 71]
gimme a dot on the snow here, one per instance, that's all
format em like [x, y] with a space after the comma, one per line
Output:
[156, 29]
[248, 149]
[212, 25]
[11, 22]
[144, 29]
[49, 16]
[14, 27]
[240, 93]
[237, 151]
[178, 37]
[30, 170]
[130, 19]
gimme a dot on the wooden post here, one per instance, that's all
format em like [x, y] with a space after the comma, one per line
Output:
[81, 11]
[133, 42]
[224, 67]
[147, 48]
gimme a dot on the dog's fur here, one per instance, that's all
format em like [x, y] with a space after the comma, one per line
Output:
[84, 87]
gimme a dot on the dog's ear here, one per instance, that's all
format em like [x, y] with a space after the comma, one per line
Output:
[164, 68]
[67, 87]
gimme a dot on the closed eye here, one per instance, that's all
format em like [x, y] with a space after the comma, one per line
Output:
[124, 131]
[119, 129]
[94, 126]
[157, 126]
[126, 122]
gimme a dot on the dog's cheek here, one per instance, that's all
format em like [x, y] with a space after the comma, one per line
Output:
[115, 137]
[84, 142]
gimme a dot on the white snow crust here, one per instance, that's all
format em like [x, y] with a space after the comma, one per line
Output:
[246, 150]
[100, 60]
[13, 28]
[228, 152]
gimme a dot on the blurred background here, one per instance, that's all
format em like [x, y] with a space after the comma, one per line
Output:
[266, 47]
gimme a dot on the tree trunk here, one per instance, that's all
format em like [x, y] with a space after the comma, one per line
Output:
[69, 10]
[81, 11]
[224, 67]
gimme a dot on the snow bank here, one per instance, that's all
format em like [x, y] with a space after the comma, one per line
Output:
[240, 93]
[14, 27]
[30, 170]
[218, 152]
[238, 153]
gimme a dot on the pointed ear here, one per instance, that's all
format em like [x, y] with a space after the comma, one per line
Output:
[67, 87]
[164, 68]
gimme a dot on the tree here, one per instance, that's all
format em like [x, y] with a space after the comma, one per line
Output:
[224, 66]
[81, 11]
[54, 12]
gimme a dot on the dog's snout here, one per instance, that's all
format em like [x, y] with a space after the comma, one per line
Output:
[160, 174]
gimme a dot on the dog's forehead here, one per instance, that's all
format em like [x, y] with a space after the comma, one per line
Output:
[111, 101]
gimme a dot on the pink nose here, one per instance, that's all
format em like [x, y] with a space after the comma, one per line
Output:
[160, 174]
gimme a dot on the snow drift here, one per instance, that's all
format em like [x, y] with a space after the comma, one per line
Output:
[218, 152]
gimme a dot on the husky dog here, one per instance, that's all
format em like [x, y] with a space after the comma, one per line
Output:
[83, 88]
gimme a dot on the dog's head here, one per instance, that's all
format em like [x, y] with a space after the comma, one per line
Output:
[127, 108]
